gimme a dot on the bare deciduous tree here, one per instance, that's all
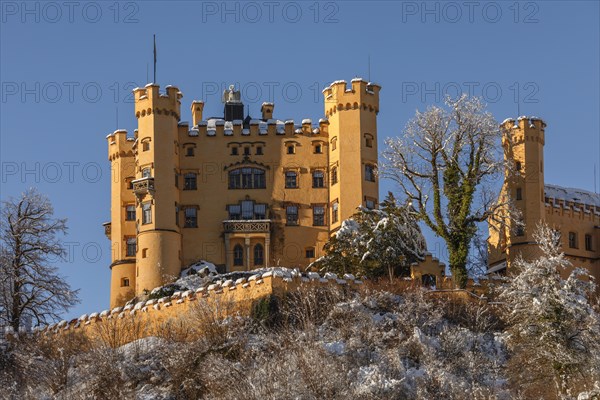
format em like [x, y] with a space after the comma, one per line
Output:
[446, 163]
[30, 287]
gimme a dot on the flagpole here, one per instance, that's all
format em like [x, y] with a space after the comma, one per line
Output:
[154, 59]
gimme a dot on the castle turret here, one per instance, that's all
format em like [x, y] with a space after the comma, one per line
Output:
[157, 162]
[352, 116]
[523, 144]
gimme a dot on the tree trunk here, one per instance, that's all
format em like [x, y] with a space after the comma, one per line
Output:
[458, 253]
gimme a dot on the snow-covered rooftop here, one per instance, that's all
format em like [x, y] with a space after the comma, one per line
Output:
[570, 194]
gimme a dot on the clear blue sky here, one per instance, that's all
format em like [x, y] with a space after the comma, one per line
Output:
[65, 70]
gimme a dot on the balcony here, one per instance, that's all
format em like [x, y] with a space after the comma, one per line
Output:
[143, 186]
[245, 226]
[107, 229]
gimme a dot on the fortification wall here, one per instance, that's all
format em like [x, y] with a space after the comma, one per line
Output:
[227, 299]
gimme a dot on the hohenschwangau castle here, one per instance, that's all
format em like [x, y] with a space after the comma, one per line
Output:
[239, 192]
[246, 193]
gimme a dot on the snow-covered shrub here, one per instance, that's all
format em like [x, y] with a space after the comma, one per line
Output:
[553, 329]
[375, 243]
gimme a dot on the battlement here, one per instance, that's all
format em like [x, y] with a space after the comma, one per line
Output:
[238, 295]
[524, 123]
[361, 95]
[119, 145]
[216, 127]
[149, 100]
[522, 129]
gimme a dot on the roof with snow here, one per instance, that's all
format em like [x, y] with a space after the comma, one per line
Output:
[573, 195]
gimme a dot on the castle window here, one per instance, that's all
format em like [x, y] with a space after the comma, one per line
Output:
[124, 282]
[520, 229]
[146, 173]
[573, 240]
[176, 180]
[318, 149]
[129, 183]
[334, 211]
[189, 182]
[189, 151]
[144, 253]
[246, 151]
[333, 144]
[191, 217]
[260, 211]
[518, 165]
[588, 243]
[247, 209]
[334, 176]
[258, 254]
[519, 194]
[247, 178]
[291, 215]
[318, 215]
[291, 149]
[310, 252]
[176, 214]
[238, 255]
[131, 247]
[234, 151]
[370, 204]
[145, 145]
[369, 173]
[235, 211]
[318, 179]
[259, 151]
[368, 140]
[146, 213]
[130, 212]
[291, 179]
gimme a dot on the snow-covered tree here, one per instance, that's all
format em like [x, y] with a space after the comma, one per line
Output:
[30, 288]
[376, 242]
[444, 163]
[553, 329]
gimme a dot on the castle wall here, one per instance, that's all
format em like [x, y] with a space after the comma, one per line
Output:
[124, 324]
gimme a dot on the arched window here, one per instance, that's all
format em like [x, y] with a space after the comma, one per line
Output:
[258, 254]
[238, 255]
[247, 178]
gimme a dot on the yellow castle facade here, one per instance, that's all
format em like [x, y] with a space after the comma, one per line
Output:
[573, 213]
[239, 192]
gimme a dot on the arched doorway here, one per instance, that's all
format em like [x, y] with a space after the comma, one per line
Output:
[428, 280]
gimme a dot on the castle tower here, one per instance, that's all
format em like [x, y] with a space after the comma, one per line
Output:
[121, 230]
[523, 144]
[352, 114]
[157, 199]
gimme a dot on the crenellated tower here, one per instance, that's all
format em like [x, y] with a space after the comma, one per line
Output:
[157, 199]
[523, 144]
[352, 115]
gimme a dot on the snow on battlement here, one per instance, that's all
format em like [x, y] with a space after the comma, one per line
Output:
[201, 282]
[571, 195]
